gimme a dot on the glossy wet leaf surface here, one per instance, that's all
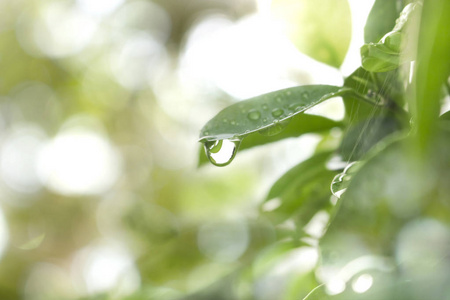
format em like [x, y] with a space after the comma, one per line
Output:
[299, 124]
[264, 112]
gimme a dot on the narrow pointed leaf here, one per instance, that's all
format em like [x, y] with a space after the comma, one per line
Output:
[381, 19]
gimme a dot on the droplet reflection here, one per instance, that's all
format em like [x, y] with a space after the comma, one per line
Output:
[341, 181]
[221, 152]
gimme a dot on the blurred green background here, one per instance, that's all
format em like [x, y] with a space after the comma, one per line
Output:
[101, 103]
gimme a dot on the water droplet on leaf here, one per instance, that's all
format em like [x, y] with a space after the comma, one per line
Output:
[265, 107]
[275, 128]
[276, 112]
[341, 181]
[254, 115]
[221, 152]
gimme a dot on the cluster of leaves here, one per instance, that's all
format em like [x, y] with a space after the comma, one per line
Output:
[393, 129]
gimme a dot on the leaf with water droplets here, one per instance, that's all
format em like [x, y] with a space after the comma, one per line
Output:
[264, 111]
[298, 125]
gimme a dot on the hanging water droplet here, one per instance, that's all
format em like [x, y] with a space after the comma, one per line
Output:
[254, 115]
[275, 128]
[276, 112]
[265, 107]
[341, 181]
[221, 152]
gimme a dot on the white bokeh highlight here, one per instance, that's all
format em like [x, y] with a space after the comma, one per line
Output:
[79, 161]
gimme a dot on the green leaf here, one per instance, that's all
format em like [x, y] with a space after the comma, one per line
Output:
[300, 124]
[265, 112]
[320, 29]
[385, 55]
[379, 58]
[362, 136]
[373, 86]
[381, 19]
[302, 191]
[389, 190]
[304, 169]
[433, 68]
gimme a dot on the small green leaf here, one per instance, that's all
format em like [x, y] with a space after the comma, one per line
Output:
[266, 111]
[379, 58]
[385, 55]
[381, 19]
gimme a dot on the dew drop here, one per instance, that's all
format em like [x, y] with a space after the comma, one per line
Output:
[233, 123]
[225, 121]
[275, 128]
[264, 120]
[221, 152]
[288, 93]
[278, 99]
[254, 115]
[305, 95]
[276, 112]
[265, 107]
[341, 181]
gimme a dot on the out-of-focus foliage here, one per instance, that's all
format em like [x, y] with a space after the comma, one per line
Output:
[320, 29]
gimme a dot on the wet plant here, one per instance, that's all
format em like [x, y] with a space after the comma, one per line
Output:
[387, 234]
